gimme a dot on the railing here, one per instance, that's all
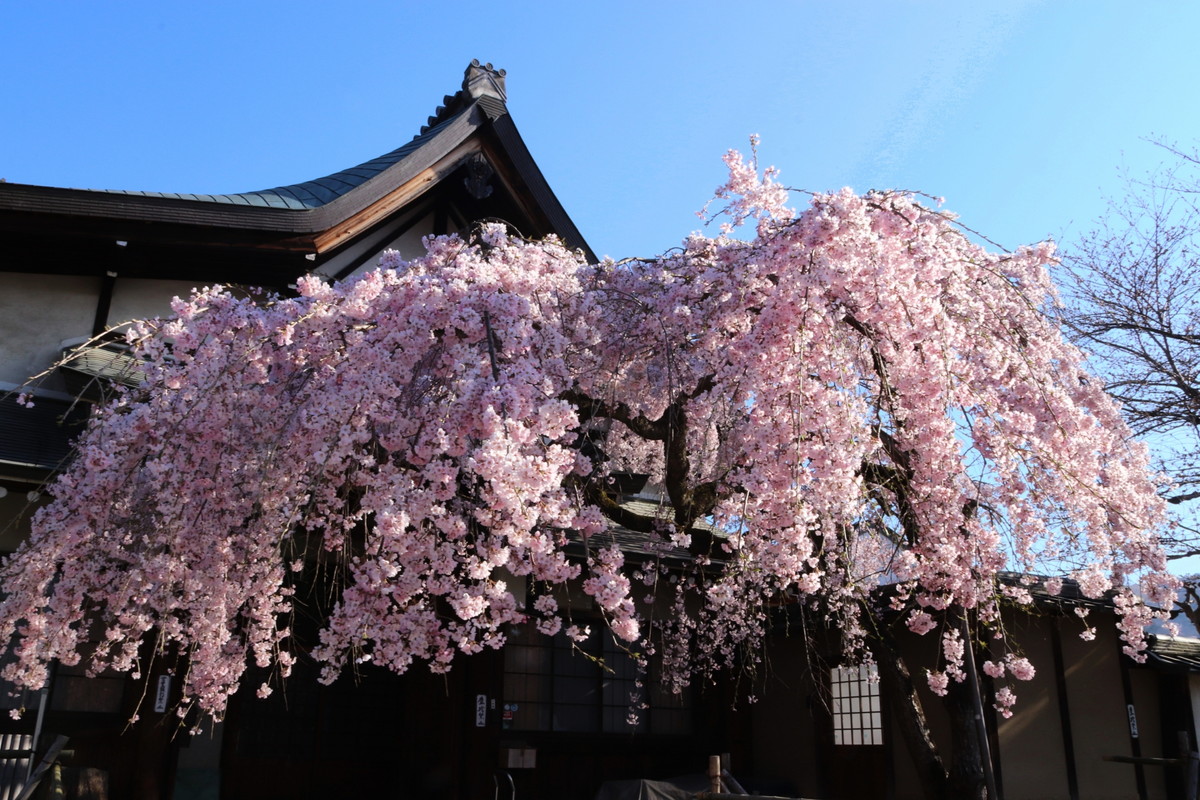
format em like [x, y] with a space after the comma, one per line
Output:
[512, 786]
[1188, 764]
[16, 759]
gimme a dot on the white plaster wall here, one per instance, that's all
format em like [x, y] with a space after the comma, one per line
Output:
[39, 312]
[36, 313]
[138, 299]
[408, 243]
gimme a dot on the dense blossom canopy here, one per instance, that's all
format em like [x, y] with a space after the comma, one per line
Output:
[857, 395]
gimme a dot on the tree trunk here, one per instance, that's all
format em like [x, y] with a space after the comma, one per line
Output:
[909, 714]
[966, 778]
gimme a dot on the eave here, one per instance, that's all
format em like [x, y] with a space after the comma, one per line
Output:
[271, 237]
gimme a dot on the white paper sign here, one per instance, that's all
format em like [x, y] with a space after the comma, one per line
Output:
[163, 694]
[480, 710]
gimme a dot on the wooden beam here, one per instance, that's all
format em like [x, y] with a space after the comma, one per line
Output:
[397, 199]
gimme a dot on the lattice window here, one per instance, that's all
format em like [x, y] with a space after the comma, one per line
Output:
[856, 715]
[552, 684]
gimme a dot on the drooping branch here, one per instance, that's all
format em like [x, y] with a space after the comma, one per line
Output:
[895, 477]
[1133, 302]
[590, 408]
[689, 502]
[462, 467]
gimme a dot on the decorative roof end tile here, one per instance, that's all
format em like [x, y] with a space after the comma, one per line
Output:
[484, 80]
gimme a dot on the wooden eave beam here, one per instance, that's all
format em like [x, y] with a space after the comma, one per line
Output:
[529, 188]
[397, 199]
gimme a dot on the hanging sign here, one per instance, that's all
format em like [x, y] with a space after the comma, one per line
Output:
[480, 710]
[163, 694]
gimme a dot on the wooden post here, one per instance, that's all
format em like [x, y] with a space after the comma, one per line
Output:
[714, 774]
[1191, 765]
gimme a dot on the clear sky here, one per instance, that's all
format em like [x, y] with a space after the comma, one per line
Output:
[1020, 113]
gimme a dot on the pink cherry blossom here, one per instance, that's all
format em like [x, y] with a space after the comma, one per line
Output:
[1005, 699]
[856, 395]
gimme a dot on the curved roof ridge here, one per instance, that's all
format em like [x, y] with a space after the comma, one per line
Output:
[294, 217]
[481, 82]
[316, 192]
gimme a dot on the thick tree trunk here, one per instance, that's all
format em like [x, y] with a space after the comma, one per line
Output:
[965, 778]
[909, 715]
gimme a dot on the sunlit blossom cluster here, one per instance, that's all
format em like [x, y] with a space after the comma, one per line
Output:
[858, 395]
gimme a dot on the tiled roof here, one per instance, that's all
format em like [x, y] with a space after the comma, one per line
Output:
[1180, 653]
[271, 227]
[482, 86]
[633, 543]
[314, 193]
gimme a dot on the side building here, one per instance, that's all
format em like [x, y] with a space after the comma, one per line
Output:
[1091, 724]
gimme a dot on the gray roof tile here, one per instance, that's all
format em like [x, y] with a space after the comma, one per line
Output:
[319, 191]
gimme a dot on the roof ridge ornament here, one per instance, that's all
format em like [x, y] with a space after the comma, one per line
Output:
[484, 80]
[479, 81]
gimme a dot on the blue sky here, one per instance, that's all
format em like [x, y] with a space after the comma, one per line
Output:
[1021, 114]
